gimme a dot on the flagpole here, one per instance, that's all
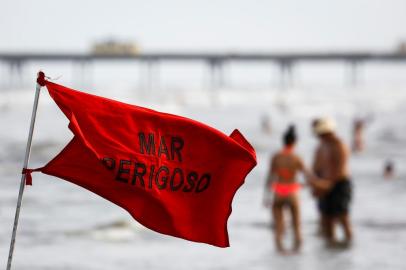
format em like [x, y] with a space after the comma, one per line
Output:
[40, 83]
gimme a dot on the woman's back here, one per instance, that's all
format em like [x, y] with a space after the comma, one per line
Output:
[285, 166]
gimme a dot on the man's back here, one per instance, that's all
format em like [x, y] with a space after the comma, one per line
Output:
[331, 159]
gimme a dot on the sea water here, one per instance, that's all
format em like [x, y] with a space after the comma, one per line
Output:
[63, 226]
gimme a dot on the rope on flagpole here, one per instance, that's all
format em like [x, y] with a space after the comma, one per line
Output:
[40, 83]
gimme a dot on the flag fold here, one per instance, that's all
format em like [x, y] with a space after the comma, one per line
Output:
[174, 175]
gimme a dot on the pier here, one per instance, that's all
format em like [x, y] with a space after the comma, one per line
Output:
[14, 62]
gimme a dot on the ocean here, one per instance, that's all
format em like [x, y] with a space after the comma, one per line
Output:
[63, 226]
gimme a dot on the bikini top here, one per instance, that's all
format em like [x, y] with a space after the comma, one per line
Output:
[283, 172]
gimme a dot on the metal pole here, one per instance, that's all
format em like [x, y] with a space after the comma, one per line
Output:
[22, 183]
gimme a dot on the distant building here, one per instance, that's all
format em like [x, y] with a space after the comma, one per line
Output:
[114, 47]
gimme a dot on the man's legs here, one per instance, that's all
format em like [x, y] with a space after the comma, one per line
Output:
[344, 220]
[330, 230]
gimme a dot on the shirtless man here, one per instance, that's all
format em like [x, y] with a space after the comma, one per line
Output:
[282, 181]
[330, 164]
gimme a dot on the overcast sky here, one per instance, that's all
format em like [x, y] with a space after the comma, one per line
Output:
[238, 25]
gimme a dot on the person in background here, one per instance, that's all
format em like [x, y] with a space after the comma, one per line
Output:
[282, 182]
[358, 144]
[331, 165]
[388, 170]
[266, 124]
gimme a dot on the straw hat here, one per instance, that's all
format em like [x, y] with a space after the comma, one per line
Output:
[324, 126]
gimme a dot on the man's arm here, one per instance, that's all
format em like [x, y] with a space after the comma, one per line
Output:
[319, 185]
[316, 168]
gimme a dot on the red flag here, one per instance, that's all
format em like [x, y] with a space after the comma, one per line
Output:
[172, 174]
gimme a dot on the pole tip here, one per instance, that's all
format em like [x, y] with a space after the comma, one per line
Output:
[41, 78]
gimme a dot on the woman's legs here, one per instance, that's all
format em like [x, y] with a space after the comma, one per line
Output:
[295, 210]
[277, 211]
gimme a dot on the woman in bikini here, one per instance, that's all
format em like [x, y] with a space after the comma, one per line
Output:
[282, 182]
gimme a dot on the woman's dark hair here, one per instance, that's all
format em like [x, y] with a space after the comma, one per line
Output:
[289, 137]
